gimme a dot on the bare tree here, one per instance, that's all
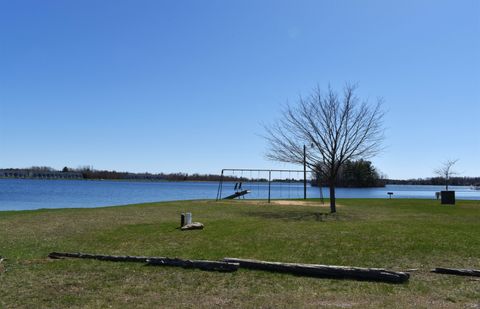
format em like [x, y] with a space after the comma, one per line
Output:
[445, 171]
[338, 127]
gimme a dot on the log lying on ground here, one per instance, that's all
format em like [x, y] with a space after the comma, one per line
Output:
[101, 257]
[457, 271]
[200, 264]
[325, 271]
[164, 261]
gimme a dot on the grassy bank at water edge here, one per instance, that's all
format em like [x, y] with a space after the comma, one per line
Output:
[397, 234]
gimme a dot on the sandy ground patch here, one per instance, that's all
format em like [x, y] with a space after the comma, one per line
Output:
[289, 203]
[297, 203]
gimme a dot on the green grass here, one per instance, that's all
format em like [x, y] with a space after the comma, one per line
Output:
[394, 234]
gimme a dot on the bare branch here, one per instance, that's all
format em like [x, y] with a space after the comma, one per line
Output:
[338, 127]
[445, 171]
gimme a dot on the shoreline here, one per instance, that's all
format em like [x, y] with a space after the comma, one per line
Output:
[262, 201]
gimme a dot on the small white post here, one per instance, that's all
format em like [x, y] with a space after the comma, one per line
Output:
[188, 218]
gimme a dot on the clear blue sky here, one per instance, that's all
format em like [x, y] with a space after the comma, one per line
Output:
[186, 85]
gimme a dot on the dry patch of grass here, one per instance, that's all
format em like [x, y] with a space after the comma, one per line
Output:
[303, 203]
[310, 203]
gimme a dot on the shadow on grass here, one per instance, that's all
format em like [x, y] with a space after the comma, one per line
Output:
[294, 215]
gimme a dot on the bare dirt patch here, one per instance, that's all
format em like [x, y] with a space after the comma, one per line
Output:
[301, 203]
[286, 203]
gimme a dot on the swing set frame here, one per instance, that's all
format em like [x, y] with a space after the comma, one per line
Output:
[304, 171]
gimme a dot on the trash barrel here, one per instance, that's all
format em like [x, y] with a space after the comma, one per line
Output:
[448, 197]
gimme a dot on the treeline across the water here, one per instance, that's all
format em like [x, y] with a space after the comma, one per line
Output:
[453, 181]
[362, 174]
[354, 174]
[158, 177]
[87, 172]
[359, 174]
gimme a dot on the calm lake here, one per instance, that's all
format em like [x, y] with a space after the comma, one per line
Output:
[23, 194]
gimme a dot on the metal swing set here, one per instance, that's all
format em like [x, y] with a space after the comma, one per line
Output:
[240, 191]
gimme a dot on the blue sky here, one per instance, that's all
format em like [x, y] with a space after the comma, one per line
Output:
[186, 85]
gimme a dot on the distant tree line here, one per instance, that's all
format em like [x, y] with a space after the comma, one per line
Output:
[88, 172]
[95, 174]
[440, 181]
[41, 169]
[360, 173]
[354, 174]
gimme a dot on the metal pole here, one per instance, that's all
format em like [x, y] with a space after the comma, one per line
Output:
[220, 185]
[304, 172]
[269, 181]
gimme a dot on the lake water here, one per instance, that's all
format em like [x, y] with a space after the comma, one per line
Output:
[23, 194]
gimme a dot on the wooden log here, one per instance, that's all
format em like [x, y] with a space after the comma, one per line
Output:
[325, 271]
[163, 261]
[457, 271]
[101, 257]
[200, 264]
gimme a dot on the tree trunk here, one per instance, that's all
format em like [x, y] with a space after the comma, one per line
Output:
[333, 207]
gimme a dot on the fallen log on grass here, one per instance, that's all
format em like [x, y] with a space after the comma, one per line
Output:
[101, 257]
[200, 264]
[159, 261]
[325, 271]
[457, 271]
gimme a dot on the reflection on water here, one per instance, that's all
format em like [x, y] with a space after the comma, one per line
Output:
[21, 194]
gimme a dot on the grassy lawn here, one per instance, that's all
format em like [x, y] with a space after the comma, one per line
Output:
[394, 234]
